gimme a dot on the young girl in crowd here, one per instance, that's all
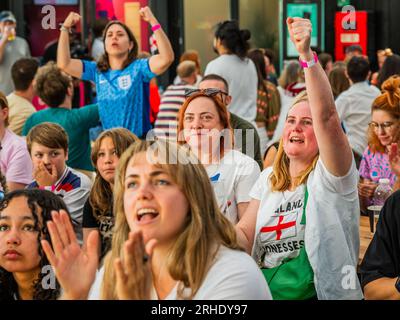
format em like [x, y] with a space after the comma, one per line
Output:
[98, 209]
[304, 212]
[119, 75]
[203, 124]
[23, 218]
[268, 101]
[191, 250]
[383, 131]
[232, 45]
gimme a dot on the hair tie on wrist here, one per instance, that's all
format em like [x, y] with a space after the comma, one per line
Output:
[156, 27]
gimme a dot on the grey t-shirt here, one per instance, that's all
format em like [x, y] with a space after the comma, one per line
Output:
[13, 51]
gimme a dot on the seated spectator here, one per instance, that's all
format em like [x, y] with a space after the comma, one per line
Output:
[338, 80]
[383, 131]
[48, 147]
[23, 265]
[15, 163]
[98, 209]
[191, 248]
[172, 99]
[326, 61]
[380, 269]
[246, 139]
[354, 105]
[204, 127]
[55, 88]
[190, 55]
[20, 101]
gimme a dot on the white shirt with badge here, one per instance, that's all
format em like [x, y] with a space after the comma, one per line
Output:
[232, 179]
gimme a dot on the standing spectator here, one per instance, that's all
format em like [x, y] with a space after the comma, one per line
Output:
[326, 61]
[270, 66]
[48, 146]
[232, 45]
[381, 55]
[173, 98]
[268, 101]
[353, 51]
[55, 88]
[20, 101]
[191, 55]
[15, 163]
[246, 139]
[119, 75]
[354, 105]
[12, 48]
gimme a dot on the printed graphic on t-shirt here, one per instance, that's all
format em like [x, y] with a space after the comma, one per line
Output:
[105, 227]
[282, 234]
[125, 82]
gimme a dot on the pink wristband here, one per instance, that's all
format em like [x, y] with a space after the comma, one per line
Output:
[309, 64]
[156, 27]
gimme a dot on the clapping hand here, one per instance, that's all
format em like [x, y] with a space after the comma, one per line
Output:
[75, 269]
[133, 271]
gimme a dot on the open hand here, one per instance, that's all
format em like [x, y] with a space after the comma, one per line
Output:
[300, 33]
[133, 271]
[72, 19]
[43, 177]
[75, 269]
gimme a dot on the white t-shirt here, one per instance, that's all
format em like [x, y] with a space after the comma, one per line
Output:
[241, 76]
[232, 179]
[280, 232]
[233, 276]
[331, 235]
[354, 109]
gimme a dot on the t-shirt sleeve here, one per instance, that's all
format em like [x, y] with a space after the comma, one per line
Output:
[144, 66]
[27, 126]
[258, 189]
[89, 70]
[248, 176]
[345, 185]
[364, 166]
[20, 167]
[379, 260]
[89, 221]
[90, 115]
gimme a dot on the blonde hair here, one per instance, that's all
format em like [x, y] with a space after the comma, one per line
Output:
[206, 227]
[280, 178]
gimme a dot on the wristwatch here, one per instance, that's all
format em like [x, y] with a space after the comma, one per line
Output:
[397, 285]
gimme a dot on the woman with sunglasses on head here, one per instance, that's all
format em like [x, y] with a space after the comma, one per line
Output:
[384, 130]
[170, 241]
[119, 75]
[24, 268]
[203, 125]
[302, 223]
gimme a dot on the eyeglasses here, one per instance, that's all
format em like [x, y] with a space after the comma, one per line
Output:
[210, 92]
[384, 126]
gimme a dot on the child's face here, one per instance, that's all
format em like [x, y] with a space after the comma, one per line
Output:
[18, 238]
[49, 157]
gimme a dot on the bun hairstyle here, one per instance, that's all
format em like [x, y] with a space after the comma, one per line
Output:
[232, 38]
[388, 101]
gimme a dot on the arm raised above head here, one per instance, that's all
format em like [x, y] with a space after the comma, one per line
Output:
[334, 148]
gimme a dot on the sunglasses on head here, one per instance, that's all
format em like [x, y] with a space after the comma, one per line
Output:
[211, 92]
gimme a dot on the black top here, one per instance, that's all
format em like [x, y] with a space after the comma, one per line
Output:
[103, 223]
[382, 259]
